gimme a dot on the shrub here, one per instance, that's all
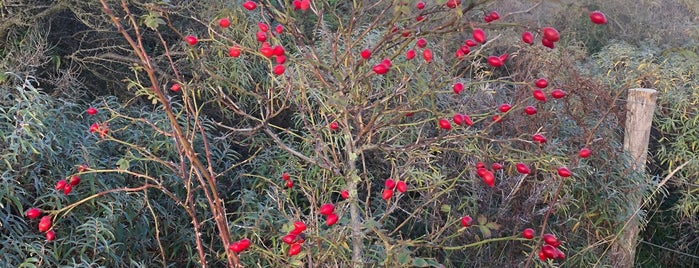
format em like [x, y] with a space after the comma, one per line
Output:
[198, 169]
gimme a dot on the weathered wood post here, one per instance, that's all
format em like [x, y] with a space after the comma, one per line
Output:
[639, 117]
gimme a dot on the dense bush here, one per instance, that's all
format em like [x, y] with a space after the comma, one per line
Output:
[179, 174]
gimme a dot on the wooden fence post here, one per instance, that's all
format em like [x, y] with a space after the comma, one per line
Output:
[640, 107]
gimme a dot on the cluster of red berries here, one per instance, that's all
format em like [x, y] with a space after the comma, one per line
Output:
[492, 16]
[98, 128]
[240, 245]
[287, 178]
[44, 224]
[390, 185]
[328, 210]
[549, 250]
[67, 185]
[295, 238]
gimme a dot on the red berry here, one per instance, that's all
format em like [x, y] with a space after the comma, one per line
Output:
[558, 254]
[598, 17]
[444, 124]
[495, 61]
[61, 184]
[365, 54]
[505, 107]
[530, 110]
[389, 184]
[548, 251]
[289, 239]
[279, 51]
[541, 83]
[344, 194]
[539, 138]
[564, 172]
[585, 153]
[263, 26]
[280, 59]
[285, 176]
[465, 49]
[74, 180]
[289, 184]
[494, 15]
[528, 233]
[380, 68]
[279, 29]
[466, 221]
[470, 43]
[480, 165]
[191, 40]
[294, 249]
[497, 118]
[33, 213]
[327, 209]
[401, 186]
[410, 54]
[50, 235]
[331, 219]
[551, 240]
[547, 43]
[278, 69]
[45, 223]
[453, 3]
[261, 36]
[249, 5]
[528, 37]
[421, 43]
[299, 227]
[497, 166]
[334, 126]
[387, 62]
[458, 87]
[267, 51]
[487, 177]
[503, 57]
[67, 189]
[557, 93]
[479, 35]
[458, 119]
[175, 87]
[244, 244]
[91, 111]
[304, 4]
[420, 5]
[539, 95]
[427, 55]
[235, 247]
[94, 128]
[551, 34]
[542, 257]
[234, 51]
[522, 168]
[224, 23]
[387, 194]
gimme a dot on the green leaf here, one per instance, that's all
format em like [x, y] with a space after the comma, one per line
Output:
[403, 258]
[445, 208]
[493, 226]
[420, 262]
[485, 231]
[123, 164]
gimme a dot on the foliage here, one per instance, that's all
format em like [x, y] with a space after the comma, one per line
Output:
[671, 72]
